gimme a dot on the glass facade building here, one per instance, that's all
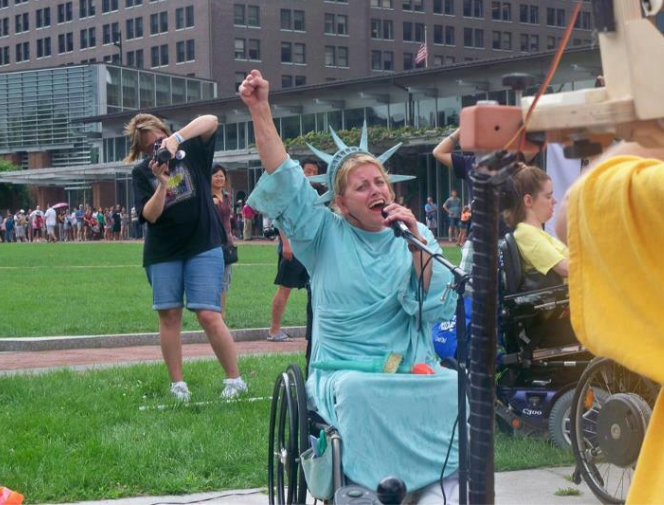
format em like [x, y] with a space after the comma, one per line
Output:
[39, 108]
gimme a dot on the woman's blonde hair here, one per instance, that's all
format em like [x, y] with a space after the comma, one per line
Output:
[134, 129]
[350, 164]
[526, 180]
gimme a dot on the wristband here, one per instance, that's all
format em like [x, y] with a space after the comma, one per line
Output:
[178, 137]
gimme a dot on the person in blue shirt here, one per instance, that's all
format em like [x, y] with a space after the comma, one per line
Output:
[373, 297]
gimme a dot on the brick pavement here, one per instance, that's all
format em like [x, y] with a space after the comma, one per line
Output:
[74, 358]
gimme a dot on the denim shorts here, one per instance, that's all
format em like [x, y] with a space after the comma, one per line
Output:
[198, 279]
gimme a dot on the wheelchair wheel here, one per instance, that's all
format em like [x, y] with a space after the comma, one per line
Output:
[610, 413]
[559, 421]
[287, 439]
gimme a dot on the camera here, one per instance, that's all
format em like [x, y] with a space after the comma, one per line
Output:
[270, 233]
[159, 154]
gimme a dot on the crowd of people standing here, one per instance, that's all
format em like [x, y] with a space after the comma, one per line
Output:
[65, 225]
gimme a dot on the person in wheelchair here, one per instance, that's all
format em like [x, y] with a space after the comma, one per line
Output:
[374, 302]
[537, 302]
[532, 204]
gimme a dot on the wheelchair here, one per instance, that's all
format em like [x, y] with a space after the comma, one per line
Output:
[291, 423]
[539, 359]
[610, 411]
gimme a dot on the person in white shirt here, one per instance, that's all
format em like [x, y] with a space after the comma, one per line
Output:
[51, 218]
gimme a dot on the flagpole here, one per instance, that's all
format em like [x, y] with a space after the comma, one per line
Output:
[426, 46]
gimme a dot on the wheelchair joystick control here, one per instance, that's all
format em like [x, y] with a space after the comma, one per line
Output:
[391, 491]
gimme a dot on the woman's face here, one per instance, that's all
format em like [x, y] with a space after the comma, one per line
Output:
[366, 193]
[218, 180]
[543, 203]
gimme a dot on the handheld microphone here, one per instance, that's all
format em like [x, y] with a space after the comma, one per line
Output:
[398, 227]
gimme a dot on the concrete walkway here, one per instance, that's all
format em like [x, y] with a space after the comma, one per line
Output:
[526, 487]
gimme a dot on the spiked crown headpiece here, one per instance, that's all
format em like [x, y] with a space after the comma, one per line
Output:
[334, 161]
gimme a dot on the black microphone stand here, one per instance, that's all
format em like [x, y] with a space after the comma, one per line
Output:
[461, 277]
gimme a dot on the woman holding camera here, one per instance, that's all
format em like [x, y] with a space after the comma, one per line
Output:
[182, 254]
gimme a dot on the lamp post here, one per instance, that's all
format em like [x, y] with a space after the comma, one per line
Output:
[117, 42]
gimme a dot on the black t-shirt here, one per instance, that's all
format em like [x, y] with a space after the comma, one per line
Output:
[189, 224]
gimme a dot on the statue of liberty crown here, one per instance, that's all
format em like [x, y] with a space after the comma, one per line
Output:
[334, 161]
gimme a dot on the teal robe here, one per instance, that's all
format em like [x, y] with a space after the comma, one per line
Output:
[365, 306]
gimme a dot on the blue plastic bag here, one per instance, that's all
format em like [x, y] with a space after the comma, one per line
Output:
[444, 336]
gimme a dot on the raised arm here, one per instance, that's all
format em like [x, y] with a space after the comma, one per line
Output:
[254, 92]
[443, 151]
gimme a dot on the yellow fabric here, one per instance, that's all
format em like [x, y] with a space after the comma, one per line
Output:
[616, 243]
[539, 250]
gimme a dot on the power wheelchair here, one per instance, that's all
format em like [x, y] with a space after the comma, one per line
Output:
[539, 358]
[594, 406]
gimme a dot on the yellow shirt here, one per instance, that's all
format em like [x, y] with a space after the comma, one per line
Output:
[539, 250]
[616, 243]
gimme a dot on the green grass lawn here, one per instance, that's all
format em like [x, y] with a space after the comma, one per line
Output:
[99, 288]
[71, 436]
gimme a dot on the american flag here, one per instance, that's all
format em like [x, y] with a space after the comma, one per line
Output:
[422, 54]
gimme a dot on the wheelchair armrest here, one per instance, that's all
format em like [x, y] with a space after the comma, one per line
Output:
[561, 290]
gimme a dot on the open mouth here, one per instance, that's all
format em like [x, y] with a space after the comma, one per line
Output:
[377, 205]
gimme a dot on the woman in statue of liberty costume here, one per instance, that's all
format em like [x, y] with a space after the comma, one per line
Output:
[366, 290]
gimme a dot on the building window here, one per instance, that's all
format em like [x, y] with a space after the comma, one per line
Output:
[184, 17]
[413, 5]
[110, 33]
[443, 7]
[185, 51]
[133, 3]
[247, 49]
[43, 17]
[159, 55]
[4, 27]
[300, 80]
[473, 8]
[382, 29]
[22, 52]
[336, 56]
[241, 49]
[21, 23]
[88, 38]
[248, 15]
[501, 41]
[413, 32]
[286, 81]
[65, 43]
[381, 4]
[44, 47]
[449, 36]
[555, 17]
[551, 43]
[583, 21]
[65, 12]
[408, 62]
[135, 58]
[473, 38]
[86, 8]
[292, 20]
[382, 60]
[501, 11]
[158, 23]
[109, 6]
[4, 56]
[293, 53]
[336, 24]
[134, 28]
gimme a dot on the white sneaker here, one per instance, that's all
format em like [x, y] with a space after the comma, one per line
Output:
[180, 391]
[233, 388]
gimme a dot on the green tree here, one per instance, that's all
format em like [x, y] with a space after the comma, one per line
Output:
[12, 195]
